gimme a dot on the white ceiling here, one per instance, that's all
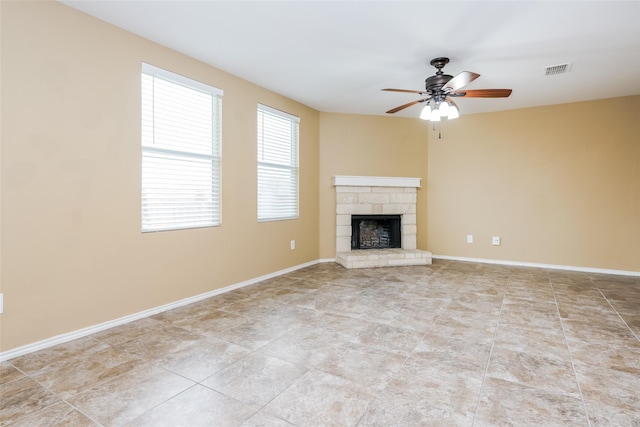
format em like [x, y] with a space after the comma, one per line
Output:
[335, 56]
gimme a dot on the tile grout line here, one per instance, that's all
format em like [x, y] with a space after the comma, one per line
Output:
[617, 313]
[486, 369]
[566, 341]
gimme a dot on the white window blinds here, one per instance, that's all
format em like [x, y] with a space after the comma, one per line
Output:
[277, 164]
[180, 151]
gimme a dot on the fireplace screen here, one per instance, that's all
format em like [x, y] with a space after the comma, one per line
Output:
[375, 231]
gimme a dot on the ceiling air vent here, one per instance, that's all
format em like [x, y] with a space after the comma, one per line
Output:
[557, 69]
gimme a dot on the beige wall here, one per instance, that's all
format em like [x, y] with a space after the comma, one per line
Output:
[72, 252]
[369, 146]
[560, 185]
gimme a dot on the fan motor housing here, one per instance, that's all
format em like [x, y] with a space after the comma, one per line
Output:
[435, 83]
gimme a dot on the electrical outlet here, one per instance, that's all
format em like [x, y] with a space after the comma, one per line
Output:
[495, 241]
[293, 244]
[469, 238]
[1, 303]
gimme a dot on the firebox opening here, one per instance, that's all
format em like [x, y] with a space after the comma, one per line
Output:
[375, 232]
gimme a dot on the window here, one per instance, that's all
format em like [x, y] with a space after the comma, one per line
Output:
[180, 152]
[277, 164]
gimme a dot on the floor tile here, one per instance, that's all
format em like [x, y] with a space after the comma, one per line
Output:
[449, 349]
[59, 355]
[197, 406]
[446, 385]
[633, 322]
[370, 367]
[157, 342]
[254, 333]
[79, 375]
[321, 399]
[478, 298]
[57, 415]
[263, 419]
[393, 410]
[255, 379]
[587, 312]
[8, 373]
[510, 404]
[413, 315]
[540, 342]
[544, 322]
[390, 338]
[253, 307]
[197, 360]
[367, 308]
[530, 306]
[306, 346]
[612, 416]
[124, 398]
[602, 331]
[21, 398]
[460, 326]
[609, 388]
[547, 373]
[347, 327]
[123, 333]
[623, 355]
[581, 295]
[203, 320]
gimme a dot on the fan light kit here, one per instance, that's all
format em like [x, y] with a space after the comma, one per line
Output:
[442, 109]
[440, 88]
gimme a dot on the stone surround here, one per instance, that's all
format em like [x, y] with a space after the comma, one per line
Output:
[362, 195]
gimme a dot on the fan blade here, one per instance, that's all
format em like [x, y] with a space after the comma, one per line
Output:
[405, 90]
[460, 81]
[483, 93]
[408, 104]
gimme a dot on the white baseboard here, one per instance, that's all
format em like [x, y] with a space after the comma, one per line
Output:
[59, 339]
[537, 265]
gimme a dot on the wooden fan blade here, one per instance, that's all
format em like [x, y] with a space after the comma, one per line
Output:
[408, 104]
[460, 81]
[405, 90]
[483, 93]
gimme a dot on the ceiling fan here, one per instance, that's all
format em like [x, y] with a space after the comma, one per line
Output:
[441, 88]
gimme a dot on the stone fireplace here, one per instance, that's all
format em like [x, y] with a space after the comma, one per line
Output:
[376, 199]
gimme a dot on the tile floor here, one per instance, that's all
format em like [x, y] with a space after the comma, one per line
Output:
[452, 344]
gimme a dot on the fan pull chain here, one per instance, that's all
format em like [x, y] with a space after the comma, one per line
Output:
[434, 129]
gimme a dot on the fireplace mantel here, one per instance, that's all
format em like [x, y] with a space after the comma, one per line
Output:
[375, 181]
